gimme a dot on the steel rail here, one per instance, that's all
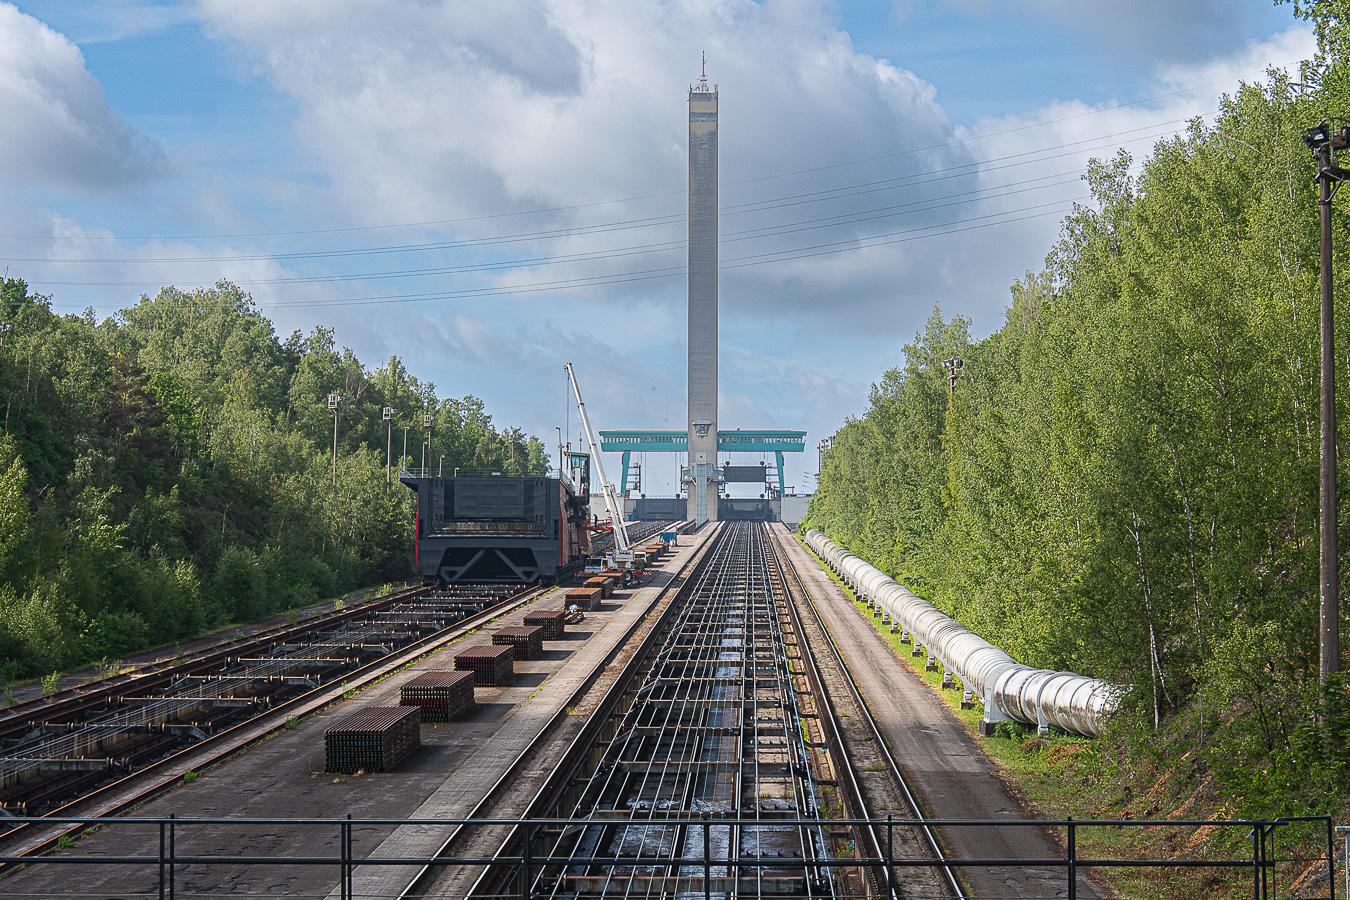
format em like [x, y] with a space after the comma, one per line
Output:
[164, 774]
[869, 842]
[424, 878]
[930, 835]
[490, 882]
[720, 674]
[186, 689]
[75, 699]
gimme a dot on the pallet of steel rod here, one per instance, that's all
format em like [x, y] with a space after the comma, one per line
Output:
[604, 583]
[585, 599]
[441, 695]
[526, 641]
[491, 665]
[376, 739]
[553, 621]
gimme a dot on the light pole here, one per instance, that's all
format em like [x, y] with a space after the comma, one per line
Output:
[388, 446]
[1324, 142]
[440, 469]
[333, 401]
[426, 448]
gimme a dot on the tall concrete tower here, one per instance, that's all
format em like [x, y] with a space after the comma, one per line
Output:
[703, 475]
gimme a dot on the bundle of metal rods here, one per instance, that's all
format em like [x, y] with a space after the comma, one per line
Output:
[375, 739]
[441, 695]
[492, 666]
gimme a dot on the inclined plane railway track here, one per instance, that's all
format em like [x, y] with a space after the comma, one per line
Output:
[724, 761]
[717, 728]
[725, 750]
[872, 777]
[99, 749]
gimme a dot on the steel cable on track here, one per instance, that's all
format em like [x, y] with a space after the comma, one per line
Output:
[714, 731]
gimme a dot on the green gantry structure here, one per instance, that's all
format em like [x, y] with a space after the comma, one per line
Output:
[735, 441]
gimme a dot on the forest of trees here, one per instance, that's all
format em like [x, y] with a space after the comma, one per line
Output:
[1124, 482]
[170, 469]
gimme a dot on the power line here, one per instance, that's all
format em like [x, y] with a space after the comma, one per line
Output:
[941, 174]
[599, 203]
[959, 226]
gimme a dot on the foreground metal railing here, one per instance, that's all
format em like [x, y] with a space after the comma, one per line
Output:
[1285, 857]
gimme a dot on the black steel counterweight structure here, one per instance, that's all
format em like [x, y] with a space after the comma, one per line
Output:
[1323, 142]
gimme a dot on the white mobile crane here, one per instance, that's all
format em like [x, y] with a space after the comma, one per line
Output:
[623, 556]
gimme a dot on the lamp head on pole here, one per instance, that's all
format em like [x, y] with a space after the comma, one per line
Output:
[1324, 134]
[334, 400]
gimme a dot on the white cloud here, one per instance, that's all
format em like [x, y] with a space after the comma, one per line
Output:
[420, 116]
[60, 129]
[111, 20]
[1047, 151]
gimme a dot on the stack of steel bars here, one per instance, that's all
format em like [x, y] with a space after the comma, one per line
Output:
[525, 641]
[439, 694]
[376, 739]
[492, 666]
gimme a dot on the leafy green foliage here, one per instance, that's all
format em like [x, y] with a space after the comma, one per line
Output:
[1124, 482]
[171, 469]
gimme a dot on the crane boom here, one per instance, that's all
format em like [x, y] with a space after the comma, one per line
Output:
[621, 545]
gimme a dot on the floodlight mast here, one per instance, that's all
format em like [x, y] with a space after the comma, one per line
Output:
[623, 554]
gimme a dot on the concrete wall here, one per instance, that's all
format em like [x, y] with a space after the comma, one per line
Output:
[703, 304]
[793, 508]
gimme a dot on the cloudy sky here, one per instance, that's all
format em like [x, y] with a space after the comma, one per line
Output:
[489, 190]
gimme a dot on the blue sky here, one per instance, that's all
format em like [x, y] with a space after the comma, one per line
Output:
[490, 190]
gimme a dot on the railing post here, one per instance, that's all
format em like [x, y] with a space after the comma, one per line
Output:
[525, 863]
[173, 838]
[1256, 861]
[890, 856]
[1073, 860]
[707, 860]
[1331, 856]
[342, 860]
[347, 843]
[161, 859]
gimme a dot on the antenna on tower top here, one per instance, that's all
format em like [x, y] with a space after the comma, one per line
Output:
[703, 76]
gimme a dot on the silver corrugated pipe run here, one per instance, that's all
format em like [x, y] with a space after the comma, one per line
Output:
[1008, 689]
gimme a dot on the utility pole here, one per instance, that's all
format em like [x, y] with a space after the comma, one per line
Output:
[333, 401]
[1324, 142]
[956, 367]
[388, 447]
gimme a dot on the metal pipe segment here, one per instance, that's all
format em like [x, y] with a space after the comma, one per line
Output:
[1009, 690]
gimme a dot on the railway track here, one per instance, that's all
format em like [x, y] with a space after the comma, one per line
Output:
[723, 747]
[718, 749]
[182, 717]
[874, 779]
